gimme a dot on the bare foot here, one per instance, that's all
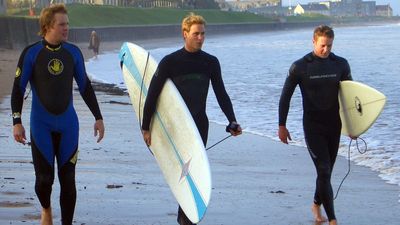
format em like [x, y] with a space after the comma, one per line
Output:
[332, 222]
[47, 217]
[316, 210]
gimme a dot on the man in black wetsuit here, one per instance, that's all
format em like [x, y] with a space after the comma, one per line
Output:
[50, 65]
[191, 70]
[318, 74]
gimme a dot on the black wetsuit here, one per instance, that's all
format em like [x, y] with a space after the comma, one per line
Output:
[50, 70]
[191, 73]
[319, 80]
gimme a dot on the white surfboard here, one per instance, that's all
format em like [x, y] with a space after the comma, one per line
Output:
[360, 106]
[175, 140]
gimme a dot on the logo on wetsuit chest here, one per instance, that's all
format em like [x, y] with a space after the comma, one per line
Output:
[55, 66]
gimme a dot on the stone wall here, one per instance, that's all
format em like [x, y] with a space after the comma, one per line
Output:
[18, 32]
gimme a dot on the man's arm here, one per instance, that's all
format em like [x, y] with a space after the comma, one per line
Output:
[223, 98]
[156, 85]
[347, 72]
[88, 94]
[284, 104]
[22, 76]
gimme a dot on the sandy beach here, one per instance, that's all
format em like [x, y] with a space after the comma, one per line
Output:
[255, 180]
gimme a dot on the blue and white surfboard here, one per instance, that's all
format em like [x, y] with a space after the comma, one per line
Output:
[176, 142]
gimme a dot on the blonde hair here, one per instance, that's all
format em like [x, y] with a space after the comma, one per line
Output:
[323, 31]
[191, 19]
[46, 19]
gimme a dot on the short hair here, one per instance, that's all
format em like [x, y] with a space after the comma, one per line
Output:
[46, 19]
[191, 19]
[323, 31]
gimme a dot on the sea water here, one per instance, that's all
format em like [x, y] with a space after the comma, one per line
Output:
[254, 68]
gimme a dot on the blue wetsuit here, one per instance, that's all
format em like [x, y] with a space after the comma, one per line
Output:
[50, 70]
[319, 80]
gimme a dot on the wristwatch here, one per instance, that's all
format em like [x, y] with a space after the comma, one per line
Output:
[16, 115]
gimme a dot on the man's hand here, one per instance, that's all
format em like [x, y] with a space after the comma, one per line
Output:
[146, 137]
[19, 133]
[284, 134]
[234, 128]
[99, 129]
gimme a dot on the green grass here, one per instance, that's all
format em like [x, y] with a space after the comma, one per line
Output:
[94, 16]
[307, 18]
[100, 16]
[118, 16]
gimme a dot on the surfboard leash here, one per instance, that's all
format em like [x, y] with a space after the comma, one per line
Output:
[223, 139]
[361, 151]
[140, 96]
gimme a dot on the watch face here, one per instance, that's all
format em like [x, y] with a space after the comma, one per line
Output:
[16, 115]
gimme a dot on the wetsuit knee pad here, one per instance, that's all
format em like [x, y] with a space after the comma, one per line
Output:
[324, 171]
[43, 187]
[44, 182]
[66, 176]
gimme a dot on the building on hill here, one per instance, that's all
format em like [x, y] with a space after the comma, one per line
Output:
[93, 2]
[352, 8]
[246, 5]
[155, 3]
[314, 8]
[338, 8]
[269, 11]
[384, 10]
[185, 4]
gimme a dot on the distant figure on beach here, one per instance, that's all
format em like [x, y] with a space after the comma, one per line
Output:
[50, 66]
[94, 43]
[191, 70]
[318, 74]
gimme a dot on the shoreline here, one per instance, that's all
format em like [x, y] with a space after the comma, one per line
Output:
[251, 181]
[255, 180]
[9, 57]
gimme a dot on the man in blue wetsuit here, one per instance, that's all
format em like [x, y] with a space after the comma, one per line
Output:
[191, 70]
[50, 65]
[318, 74]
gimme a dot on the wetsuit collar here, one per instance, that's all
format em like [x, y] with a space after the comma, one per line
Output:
[51, 47]
[330, 56]
[191, 53]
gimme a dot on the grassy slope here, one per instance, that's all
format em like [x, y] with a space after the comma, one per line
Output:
[86, 15]
[94, 16]
[111, 16]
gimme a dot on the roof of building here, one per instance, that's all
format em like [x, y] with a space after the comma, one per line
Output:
[314, 7]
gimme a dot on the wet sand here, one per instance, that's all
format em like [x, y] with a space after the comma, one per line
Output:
[255, 180]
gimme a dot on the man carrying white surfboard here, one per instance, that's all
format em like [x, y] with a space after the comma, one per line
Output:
[318, 74]
[191, 70]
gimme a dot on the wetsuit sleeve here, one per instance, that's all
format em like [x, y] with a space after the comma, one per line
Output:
[346, 71]
[287, 92]
[85, 87]
[90, 99]
[220, 92]
[22, 76]
[156, 85]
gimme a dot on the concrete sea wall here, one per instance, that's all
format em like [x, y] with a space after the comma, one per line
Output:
[18, 32]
